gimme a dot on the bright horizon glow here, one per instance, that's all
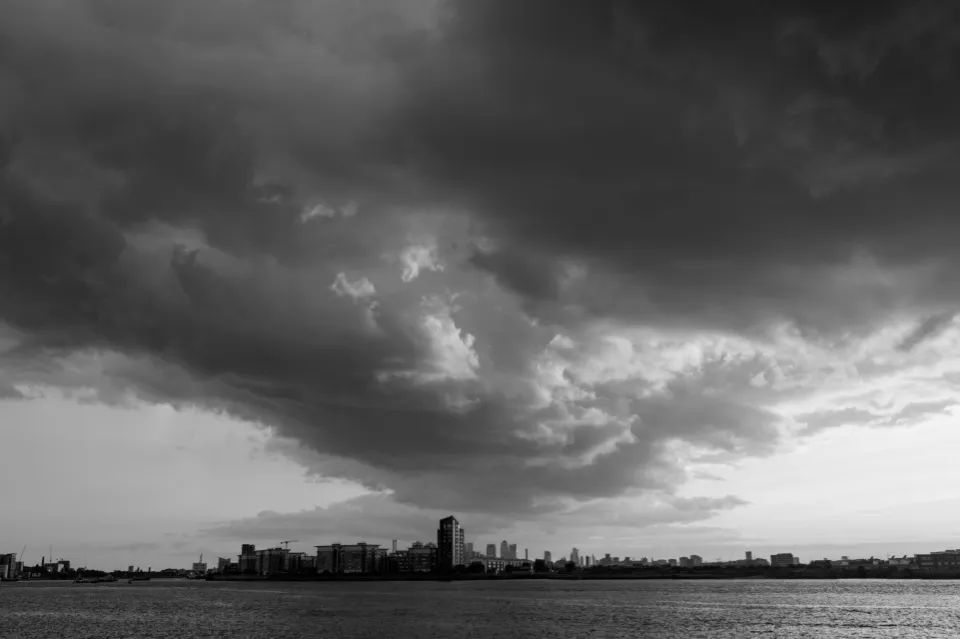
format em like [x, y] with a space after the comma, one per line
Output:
[180, 472]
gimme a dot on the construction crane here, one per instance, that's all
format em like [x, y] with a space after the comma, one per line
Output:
[286, 544]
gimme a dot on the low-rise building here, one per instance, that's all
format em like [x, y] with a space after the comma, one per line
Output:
[939, 560]
[270, 561]
[8, 566]
[419, 557]
[783, 560]
[359, 558]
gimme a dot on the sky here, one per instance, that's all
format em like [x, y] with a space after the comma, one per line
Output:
[644, 278]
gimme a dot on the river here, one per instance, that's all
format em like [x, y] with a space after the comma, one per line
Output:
[484, 609]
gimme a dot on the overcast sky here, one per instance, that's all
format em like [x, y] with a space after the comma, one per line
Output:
[647, 278]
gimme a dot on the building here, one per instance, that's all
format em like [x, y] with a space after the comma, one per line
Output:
[500, 564]
[468, 550]
[939, 560]
[423, 557]
[294, 562]
[359, 558]
[547, 556]
[513, 551]
[419, 557]
[223, 565]
[685, 562]
[8, 566]
[696, 560]
[270, 561]
[575, 556]
[247, 560]
[783, 559]
[199, 566]
[504, 549]
[450, 544]
[491, 550]
[749, 556]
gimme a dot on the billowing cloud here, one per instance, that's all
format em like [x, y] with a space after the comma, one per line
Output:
[561, 255]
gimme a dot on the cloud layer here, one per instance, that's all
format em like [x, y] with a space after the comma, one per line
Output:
[485, 255]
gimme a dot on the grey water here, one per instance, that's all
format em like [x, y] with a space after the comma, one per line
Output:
[487, 609]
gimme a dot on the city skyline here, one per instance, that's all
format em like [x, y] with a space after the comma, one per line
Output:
[639, 278]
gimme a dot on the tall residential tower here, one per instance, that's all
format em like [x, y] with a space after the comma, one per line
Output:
[450, 545]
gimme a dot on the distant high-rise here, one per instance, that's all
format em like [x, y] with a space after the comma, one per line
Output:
[526, 554]
[491, 550]
[513, 551]
[248, 549]
[394, 545]
[696, 560]
[547, 556]
[749, 556]
[575, 556]
[450, 544]
[504, 549]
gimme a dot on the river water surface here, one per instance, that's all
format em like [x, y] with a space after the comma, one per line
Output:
[507, 609]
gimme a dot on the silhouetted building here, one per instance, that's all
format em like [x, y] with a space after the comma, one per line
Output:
[749, 556]
[8, 566]
[468, 550]
[419, 557]
[575, 556]
[491, 550]
[696, 560]
[449, 544]
[352, 558]
[270, 561]
[247, 559]
[513, 551]
[938, 560]
[504, 549]
[783, 559]
[547, 556]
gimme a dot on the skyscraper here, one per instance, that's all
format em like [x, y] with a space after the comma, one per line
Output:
[547, 556]
[749, 556]
[491, 550]
[575, 556]
[468, 551]
[504, 549]
[449, 544]
[513, 551]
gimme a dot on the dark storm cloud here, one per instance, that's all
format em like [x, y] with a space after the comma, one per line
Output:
[158, 158]
[696, 149]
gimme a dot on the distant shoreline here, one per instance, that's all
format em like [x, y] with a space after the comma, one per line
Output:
[432, 577]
